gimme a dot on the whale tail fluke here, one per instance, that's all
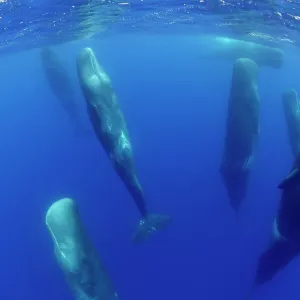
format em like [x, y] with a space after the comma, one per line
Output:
[149, 226]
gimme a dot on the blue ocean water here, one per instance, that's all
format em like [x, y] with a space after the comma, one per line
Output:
[175, 105]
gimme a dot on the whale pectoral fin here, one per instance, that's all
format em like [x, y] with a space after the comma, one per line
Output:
[290, 179]
[149, 226]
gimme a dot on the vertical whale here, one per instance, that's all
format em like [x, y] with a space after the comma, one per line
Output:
[111, 130]
[62, 86]
[285, 243]
[76, 255]
[285, 237]
[291, 107]
[242, 130]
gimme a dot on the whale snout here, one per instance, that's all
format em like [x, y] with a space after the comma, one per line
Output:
[90, 73]
[59, 216]
[88, 58]
[63, 223]
[86, 64]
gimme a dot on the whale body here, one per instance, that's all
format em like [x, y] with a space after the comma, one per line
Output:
[242, 130]
[62, 87]
[229, 49]
[285, 242]
[291, 107]
[111, 130]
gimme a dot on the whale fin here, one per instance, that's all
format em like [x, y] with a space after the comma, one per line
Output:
[150, 225]
[290, 179]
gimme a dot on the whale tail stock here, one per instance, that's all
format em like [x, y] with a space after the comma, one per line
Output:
[148, 226]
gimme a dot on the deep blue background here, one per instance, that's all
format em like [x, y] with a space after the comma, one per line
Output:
[175, 104]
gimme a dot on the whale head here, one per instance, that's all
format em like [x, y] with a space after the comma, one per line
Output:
[62, 223]
[93, 79]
